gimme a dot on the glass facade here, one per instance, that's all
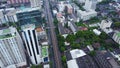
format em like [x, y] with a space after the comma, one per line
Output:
[31, 17]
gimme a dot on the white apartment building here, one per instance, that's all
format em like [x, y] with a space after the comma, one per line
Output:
[31, 42]
[11, 48]
[2, 18]
[86, 15]
[105, 24]
[116, 37]
[8, 15]
[62, 5]
[35, 3]
[90, 5]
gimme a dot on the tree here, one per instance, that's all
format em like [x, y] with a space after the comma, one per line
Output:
[79, 34]
[70, 38]
[117, 24]
[64, 59]
[55, 21]
[39, 66]
[75, 45]
[33, 66]
[62, 49]
[60, 38]
[92, 53]
[103, 35]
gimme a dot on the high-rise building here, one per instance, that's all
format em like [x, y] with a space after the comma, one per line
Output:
[8, 15]
[90, 4]
[29, 15]
[31, 42]
[11, 48]
[2, 18]
[35, 3]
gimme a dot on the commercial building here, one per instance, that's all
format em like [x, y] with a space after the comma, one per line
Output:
[29, 15]
[86, 15]
[11, 48]
[31, 43]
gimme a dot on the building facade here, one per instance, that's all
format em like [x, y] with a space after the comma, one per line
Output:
[35, 3]
[116, 37]
[90, 4]
[11, 48]
[29, 16]
[8, 15]
[86, 15]
[31, 42]
[12, 2]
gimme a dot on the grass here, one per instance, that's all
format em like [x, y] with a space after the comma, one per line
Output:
[44, 51]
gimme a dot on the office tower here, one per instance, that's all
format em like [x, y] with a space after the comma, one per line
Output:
[29, 15]
[17, 1]
[90, 4]
[11, 48]
[35, 3]
[31, 42]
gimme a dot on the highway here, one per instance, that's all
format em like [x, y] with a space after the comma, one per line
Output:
[57, 58]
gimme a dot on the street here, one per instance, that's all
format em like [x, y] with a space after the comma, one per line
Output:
[57, 58]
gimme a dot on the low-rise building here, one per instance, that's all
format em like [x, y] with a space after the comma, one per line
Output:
[79, 59]
[97, 32]
[64, 32]
[105, 24]
[60, 18]
[73, 27]
[42, 36]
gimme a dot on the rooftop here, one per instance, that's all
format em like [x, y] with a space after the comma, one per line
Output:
[44, 51]
[78, 59]
[118, 34]
[77, 53]
[27, 9]
[7, 32]
[28, 27]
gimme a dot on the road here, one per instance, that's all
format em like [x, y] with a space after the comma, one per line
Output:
[53, 35]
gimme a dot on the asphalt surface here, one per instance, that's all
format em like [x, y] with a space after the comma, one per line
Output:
[53, 35]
